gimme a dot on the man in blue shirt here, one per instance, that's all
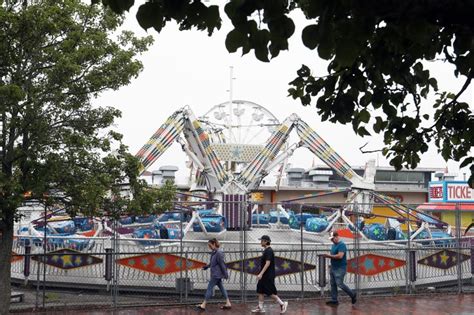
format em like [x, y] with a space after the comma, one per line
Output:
[338, 269]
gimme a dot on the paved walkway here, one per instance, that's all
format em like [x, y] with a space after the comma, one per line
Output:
[425, 305]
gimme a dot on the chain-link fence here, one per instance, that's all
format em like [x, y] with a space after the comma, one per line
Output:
[124, 268]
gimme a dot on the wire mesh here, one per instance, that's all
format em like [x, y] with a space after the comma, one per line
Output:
[121, 270]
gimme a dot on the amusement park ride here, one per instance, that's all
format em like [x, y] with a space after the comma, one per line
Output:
[231, 149]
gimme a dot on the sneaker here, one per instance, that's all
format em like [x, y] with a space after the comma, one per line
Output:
[354, 299]
[283, 307]
[332, 303]
[258, 310]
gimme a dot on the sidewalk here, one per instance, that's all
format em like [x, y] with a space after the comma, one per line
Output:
[430, 304]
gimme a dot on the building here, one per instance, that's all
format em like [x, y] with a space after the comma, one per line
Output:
[410, 187]
[447, 198]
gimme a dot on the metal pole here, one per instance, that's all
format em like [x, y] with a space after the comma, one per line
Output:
[357, 251]
[181, 254]
[301, 251]
[115, 246]
[245, 207]
[407, 255]
[44, 250]
[242, 252]
[37, 281]
[185, 276]
[458, 246]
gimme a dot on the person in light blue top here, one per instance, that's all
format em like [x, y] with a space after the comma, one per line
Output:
[338, 269]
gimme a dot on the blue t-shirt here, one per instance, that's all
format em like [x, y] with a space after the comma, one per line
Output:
[335, 249]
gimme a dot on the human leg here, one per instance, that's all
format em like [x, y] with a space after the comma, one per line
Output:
[260, 308]
[208, 295]
[220, 285]
[283, 305]
[339, 279]
[333, 286]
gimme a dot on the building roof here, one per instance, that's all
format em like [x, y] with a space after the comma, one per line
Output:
[445, 206]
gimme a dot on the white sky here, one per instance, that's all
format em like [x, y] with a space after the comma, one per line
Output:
[190, 68]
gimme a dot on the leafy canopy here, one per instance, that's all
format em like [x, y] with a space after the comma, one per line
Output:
[377, 51]
[55, 58]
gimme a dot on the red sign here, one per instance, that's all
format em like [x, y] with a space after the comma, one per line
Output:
[459, 192]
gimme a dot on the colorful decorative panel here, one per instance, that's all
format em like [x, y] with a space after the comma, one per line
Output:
[346, 233]
[160, 264]
[369, 264]
[15, 258]
[283, 266]
[444, 259]
[68, 259]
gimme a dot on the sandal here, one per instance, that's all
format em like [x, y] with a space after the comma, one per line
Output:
[200, 308]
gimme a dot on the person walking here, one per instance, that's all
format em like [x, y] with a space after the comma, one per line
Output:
[338, 269]
[218, 272]
[266, 278]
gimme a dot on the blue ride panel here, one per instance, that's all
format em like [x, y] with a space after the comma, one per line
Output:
[376, 232]
[296, 220]
[126, 220]
[146, 234]
[63, 227]
[145, 219]
[213, 223]
[83, 224]
[316, 224]
[203, 212]
[260, 218]
[172, 216]
[274, 217]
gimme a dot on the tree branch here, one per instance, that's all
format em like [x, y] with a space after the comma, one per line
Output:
[369, 151]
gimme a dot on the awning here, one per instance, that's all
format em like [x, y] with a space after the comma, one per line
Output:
[444, 206]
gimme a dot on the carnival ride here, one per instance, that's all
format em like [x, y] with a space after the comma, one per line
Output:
[231, 149]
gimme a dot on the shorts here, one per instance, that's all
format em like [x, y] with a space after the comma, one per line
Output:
[266, 286]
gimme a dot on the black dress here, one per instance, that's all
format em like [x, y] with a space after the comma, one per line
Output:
[266, 285]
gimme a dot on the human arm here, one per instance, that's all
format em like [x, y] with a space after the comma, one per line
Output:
[336, 256]
[221, 263]
[339, 251]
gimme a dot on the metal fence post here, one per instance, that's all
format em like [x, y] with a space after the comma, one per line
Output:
[185, 276]
[27, 261]
[322, 273]
[301, 251]
[458, 247]
[180, 254]
[44, 251]
[115, 270]
[357, 285]
[407, 255]
[108, 266]
[412, 268]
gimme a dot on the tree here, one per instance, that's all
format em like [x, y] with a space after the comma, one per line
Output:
[166, 196]
[55, 58]
[377, 51]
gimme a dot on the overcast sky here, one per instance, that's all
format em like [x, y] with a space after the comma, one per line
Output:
[190, 68]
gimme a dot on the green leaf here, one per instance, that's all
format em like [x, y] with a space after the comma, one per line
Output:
[466, 162]
[119, 6]
[364, 116]
[234, 40]
[310, 36]
[363, 132]
[259, 42]
[150, 15]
